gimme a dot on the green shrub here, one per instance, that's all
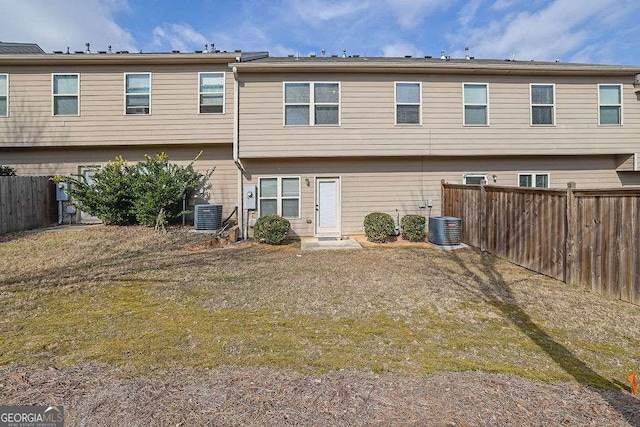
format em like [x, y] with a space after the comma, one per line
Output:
[413, 227]
[110, 196]
[125, 194]
[158, 184]
[378, 226]
[271, 229]
[7, 171]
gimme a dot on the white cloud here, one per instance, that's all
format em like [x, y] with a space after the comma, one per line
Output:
[56, 24]
[180, 37]
[500, 5]
[410, 13]
[547, 34]
[314, 12]
[468, 12]
[400, 49]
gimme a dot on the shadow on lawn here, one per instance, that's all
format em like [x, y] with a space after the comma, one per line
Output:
[492, 289]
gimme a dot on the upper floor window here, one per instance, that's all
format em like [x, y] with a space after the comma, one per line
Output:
[537, 180]
[408, 100]
[542, 104]
[4, 95]
[311, 104]
[211, 92]
[66, 99]
[137, 93]
[280, 196]
[610, 104]
[476, 103]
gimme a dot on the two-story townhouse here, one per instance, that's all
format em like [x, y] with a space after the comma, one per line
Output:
[325, 140]
[64, 114]
[328, 140]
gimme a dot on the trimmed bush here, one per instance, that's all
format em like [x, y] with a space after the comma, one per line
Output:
[271, 229]
[413, 227]
[378, 226]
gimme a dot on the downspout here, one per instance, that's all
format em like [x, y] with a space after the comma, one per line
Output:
[236, 150]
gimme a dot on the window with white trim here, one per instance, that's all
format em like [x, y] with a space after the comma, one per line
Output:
[476, 104]
[610, 104]
[4, 95]
[311, 103]
[475, 179]
[536, 180]
[211, 93]
[137, 88]
[65, 90]
[280, 196]
[542, 104]
[408, 102]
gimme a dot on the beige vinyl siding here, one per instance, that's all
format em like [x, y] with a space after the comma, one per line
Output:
[368, 122]
[224, 182]
[174, 117]
[370, 185]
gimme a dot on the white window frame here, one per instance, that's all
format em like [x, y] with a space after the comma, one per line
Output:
[6, 94]
[312, 104]
[534, 175]
[279, 197]
[419, 103]
[465, 104]
[552, 105]
[475, 175]
[54, 95]
[620, 105]
[133, 94]
[200, 93]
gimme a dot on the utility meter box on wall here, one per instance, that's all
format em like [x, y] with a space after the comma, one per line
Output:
[62, 192]
[250, 192]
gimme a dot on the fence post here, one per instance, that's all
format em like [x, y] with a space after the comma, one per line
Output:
[442, 197]
[482, 217]
[571, 221]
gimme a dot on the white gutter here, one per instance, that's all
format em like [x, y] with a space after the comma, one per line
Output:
[236, 149]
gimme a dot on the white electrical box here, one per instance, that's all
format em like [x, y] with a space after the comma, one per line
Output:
[250, 193]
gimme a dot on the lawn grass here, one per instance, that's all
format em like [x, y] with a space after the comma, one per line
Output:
[133, 298]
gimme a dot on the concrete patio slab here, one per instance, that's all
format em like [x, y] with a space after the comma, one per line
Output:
[315, 243]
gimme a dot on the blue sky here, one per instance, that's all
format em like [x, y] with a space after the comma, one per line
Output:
[594, 31]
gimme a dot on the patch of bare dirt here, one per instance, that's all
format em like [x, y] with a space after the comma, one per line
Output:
[99, 395]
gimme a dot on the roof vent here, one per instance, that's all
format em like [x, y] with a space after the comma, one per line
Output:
[57, 51]
[175, 51]
[79, 52]
[334, 56]
[428, 56]
[312, 55]
[102, 51]
[290, 55]
[407, 56]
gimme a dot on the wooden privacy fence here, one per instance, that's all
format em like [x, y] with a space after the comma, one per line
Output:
[26, 202]
[585, 237]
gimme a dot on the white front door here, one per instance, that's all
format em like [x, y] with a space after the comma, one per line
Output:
[327, 206]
